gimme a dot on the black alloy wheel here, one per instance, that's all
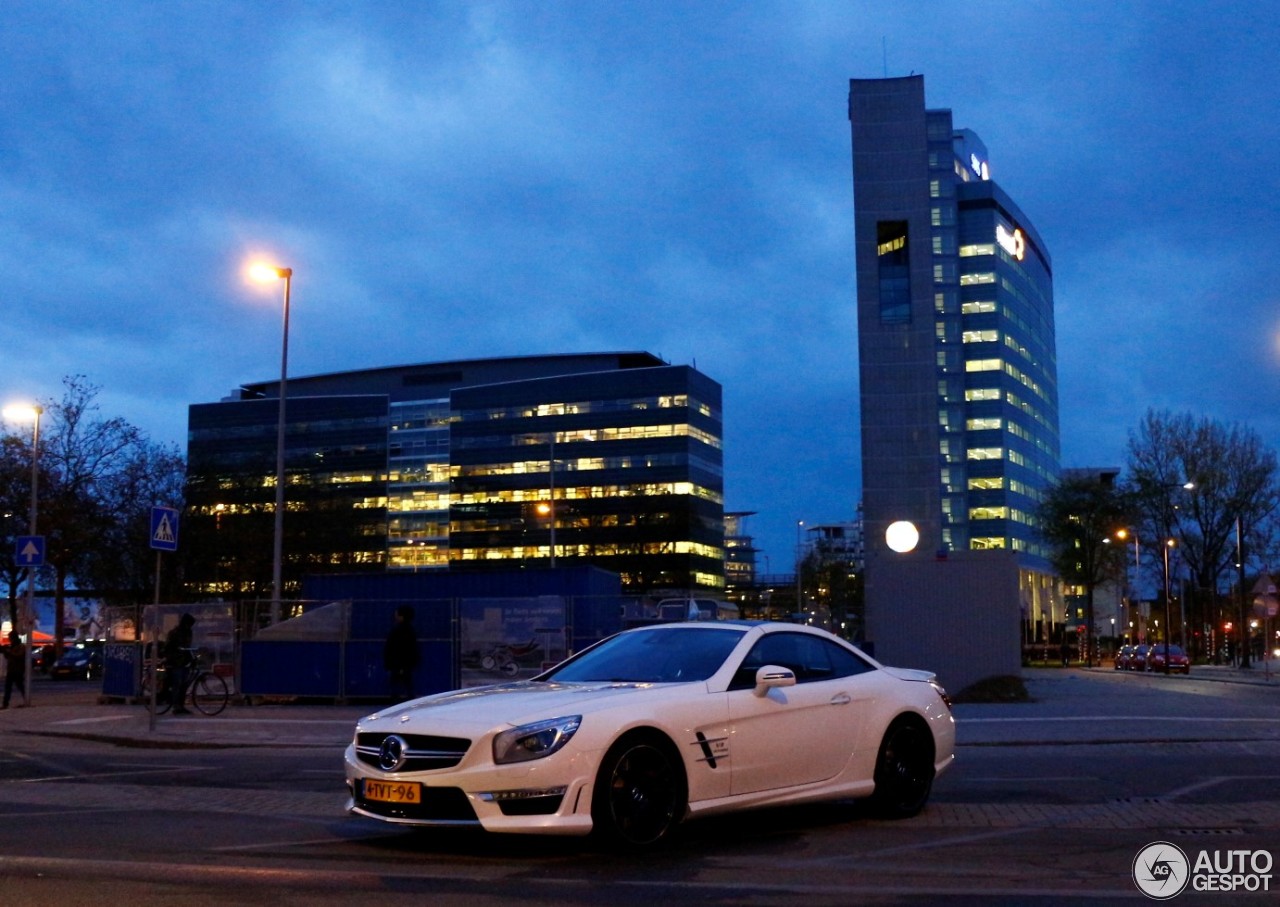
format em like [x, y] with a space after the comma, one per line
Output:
[904, 770]
[641, 792]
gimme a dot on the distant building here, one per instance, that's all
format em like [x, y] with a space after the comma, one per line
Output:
[739, 556]
[836, 543]
[959, 390]
[612, 459]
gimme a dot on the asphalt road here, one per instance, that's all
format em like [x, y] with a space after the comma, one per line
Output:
[1049, 802]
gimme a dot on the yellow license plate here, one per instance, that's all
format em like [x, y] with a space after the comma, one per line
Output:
[393, 791]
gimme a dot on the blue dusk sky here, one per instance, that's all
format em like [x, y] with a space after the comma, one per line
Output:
[465, 180]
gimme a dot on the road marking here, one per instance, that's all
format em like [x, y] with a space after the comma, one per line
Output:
[1211, 782]
[80, 776]
[98, 720]
[1070, 719]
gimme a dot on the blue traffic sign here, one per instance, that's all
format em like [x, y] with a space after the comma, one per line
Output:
[164, 528]
[29, 551]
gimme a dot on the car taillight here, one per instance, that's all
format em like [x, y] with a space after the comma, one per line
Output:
[942, 694]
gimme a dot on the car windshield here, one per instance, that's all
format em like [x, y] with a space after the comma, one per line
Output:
[672, 655]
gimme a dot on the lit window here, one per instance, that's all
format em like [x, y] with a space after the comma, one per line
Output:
[977, 307]
[982, 393]
[985, 424]
[986, 453]
[982, 365]
[985, 484]
[989, 336]
[988, 513]
[978, 249]
[969, 280]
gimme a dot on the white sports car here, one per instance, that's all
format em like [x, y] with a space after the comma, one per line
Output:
[650, 726]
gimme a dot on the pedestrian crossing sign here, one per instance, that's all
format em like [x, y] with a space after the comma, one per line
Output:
[164, 528]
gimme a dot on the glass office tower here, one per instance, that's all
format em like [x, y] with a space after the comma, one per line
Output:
[442, 465]
[621, 469]
[959, 397]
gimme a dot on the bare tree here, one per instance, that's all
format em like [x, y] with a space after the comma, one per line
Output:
[1234, 491]
[88, 458]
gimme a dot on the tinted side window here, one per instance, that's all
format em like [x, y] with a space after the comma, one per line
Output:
[811, 658]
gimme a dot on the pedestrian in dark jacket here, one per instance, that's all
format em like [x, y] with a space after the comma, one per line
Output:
[400, 654]
[177, 662]
[15, 676]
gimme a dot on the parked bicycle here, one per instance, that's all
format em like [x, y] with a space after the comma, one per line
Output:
[206, 691]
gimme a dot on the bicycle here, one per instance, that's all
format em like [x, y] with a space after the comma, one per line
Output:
[206, 691]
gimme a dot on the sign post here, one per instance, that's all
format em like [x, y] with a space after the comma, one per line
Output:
[164, 537]
[29, 552]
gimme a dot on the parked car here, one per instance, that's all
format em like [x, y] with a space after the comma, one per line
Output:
[650, 726]
[1137, 659]
[80, 662]
[1179, 663]
[1123, 655]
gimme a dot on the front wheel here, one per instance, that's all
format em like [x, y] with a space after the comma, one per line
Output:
[641, 792]
[209, 694]
[904, 770]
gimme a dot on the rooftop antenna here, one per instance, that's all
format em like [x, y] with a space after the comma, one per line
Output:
[884, 53]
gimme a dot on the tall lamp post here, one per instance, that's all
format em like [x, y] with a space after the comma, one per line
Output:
[1123, 535]
[21, 413]
[799, 569]
[548, 509]
[1244, 614]
[1168, 623]
[266, 273]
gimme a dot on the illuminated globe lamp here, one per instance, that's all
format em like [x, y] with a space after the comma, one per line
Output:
[902, 536]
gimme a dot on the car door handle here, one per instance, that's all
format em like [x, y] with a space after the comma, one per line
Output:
[841, 699]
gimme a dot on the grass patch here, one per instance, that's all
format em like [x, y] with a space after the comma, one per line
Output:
[1007, 688]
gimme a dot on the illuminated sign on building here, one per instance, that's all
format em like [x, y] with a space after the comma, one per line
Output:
[979, 167]
[1014, 243]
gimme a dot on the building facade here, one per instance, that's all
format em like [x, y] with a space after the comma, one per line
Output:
[612, 459]
[959, 398]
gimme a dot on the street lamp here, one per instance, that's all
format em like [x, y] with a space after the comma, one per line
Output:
[266, 273]
[1168, 623]
[1123, 535]
[799, 568]
[547, 508]
[21, 413]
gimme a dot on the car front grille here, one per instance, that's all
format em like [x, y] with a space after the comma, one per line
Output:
[425, 752]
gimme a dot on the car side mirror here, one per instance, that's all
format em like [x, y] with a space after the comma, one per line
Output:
[770, 676]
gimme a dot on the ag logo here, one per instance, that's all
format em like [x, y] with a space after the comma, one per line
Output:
[1161, 870]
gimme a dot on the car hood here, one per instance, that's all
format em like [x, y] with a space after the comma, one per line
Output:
[473, 711]
[911, 674]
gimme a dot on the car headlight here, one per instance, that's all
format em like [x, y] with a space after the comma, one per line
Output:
[534, 741]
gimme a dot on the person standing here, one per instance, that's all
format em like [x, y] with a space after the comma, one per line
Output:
[15, 673]
[400, 654]
[177, 662]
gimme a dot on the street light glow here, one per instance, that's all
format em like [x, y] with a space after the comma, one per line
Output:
[265, 273]
[22, 412]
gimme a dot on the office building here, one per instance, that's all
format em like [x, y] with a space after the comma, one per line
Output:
[612, 459]
[959, 398]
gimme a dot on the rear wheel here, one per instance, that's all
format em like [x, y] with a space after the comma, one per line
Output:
[641, 792]
[209, 694]
[904, 769]
[162, 695]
